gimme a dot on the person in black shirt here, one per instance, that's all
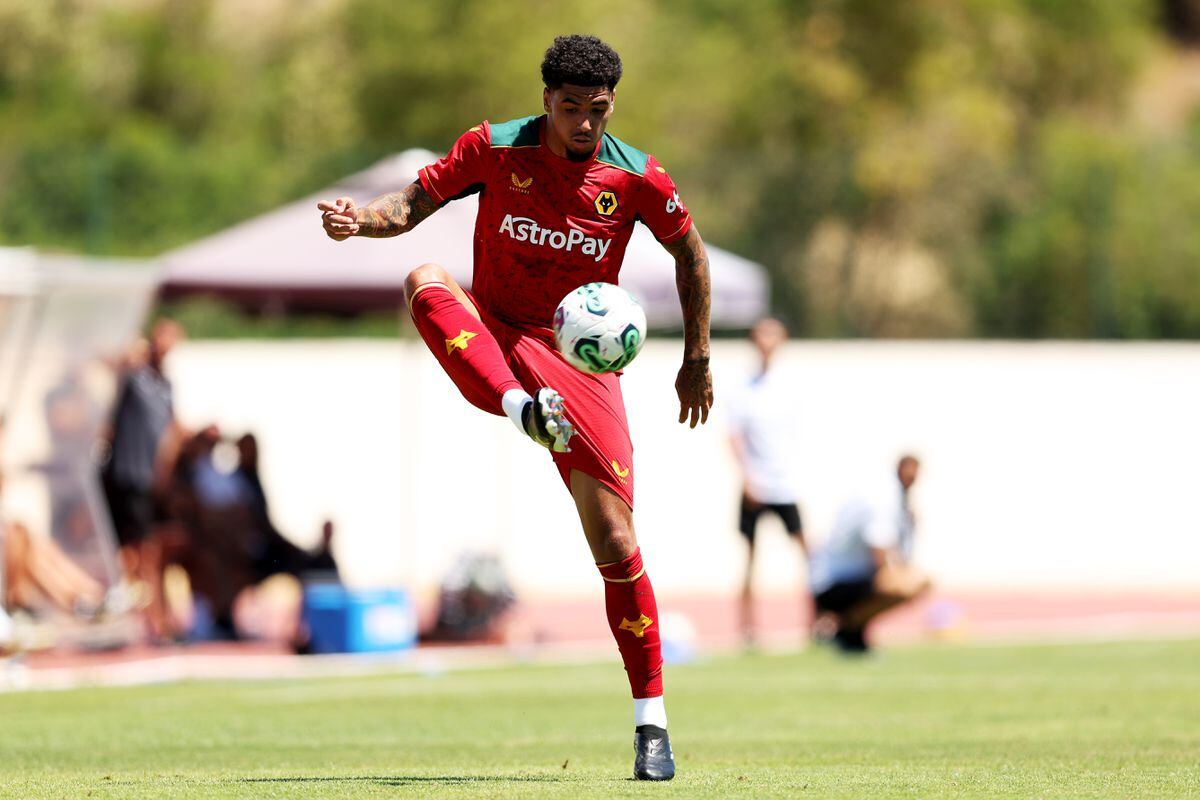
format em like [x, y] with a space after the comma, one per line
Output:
[145, 438]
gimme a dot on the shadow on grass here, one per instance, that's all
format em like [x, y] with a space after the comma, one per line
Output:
[410, 780]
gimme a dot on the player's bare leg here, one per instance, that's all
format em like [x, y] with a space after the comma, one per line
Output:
[747, 598]
[632, 616]
[452, 327]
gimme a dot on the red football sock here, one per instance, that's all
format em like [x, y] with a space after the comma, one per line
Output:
[633, 618]
[462, 344]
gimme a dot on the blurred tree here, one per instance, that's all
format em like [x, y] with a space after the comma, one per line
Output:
[904, 169]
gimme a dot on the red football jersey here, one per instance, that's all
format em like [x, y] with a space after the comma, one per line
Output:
[546, 224]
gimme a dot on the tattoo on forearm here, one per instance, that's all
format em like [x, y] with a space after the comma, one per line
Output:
[694, 285]
[396, 213]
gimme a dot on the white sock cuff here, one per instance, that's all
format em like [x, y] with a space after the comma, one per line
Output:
[513, 402]
[649, 711]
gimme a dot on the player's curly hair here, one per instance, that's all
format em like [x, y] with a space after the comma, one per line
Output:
[581, 61]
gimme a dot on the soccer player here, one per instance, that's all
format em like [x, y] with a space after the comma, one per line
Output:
[558, 197]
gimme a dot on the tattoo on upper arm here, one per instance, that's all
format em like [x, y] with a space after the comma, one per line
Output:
[396, 213]
[688, 249]
[694, 285]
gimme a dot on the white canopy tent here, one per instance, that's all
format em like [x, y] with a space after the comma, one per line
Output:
[284, 260]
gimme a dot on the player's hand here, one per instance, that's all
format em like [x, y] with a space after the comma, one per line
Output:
[340, 218]
[694, 387]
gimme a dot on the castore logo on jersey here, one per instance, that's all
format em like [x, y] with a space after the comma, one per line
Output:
[519, 185]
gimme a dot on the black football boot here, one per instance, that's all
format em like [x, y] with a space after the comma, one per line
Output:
[652, 759]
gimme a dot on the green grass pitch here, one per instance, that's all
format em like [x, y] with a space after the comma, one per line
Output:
[1095, 720]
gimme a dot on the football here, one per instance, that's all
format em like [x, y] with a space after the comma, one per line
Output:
[599, 327]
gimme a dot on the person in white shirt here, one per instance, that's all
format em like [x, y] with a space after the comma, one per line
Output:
[761, 417]
[865, 568]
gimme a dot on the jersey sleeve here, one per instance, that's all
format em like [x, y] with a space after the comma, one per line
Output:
[467, 164]
[659, 205]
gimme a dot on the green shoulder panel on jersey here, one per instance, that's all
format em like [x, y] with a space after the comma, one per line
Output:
[516, 133]
[617, 154]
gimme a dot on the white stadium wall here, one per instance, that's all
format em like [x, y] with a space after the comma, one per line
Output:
[1045, 465]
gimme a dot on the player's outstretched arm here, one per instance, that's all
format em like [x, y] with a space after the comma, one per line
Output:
[694, 382]
[389, 215]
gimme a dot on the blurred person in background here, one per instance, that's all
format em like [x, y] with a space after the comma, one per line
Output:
[72, 419]
[761, 418]
[865, 568]
[322, 565]
[273, 552]
[35, 571]
[233, 547]
[222, 536]
[144, 443]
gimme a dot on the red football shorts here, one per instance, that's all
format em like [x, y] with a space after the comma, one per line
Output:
[601, 446]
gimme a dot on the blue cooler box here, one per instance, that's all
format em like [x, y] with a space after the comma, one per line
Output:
[342, 620]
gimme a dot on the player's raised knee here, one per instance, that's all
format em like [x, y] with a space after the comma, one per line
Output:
[426, 273]
[619, 543]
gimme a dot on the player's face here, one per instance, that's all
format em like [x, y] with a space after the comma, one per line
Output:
[576, 118]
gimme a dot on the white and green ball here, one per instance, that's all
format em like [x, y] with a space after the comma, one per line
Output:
[599, 327]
